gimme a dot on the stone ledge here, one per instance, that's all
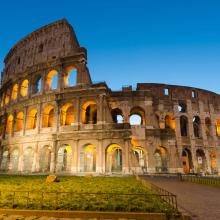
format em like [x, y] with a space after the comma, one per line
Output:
[86, 214]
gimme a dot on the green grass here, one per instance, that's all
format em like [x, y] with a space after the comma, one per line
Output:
[111, 194]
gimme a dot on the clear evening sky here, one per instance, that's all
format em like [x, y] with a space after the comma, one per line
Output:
[130, 41]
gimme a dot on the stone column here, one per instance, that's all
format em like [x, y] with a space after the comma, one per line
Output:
[25, 120]
[53, 157]
[39, 117]
[125, 157]
[99, 157]
[77, 119]
[75, 153]
[100, 109]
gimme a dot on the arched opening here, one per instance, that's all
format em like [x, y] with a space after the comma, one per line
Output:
[217, 124]
[182, 107]
[37, 85]
[9, 124]
[139, 158]
[7, 97]
[45, 159]
[201, 161]
[184, 126]
[89, 113]
[2, 99]
[14, 159]
[52, 80]
[170, 121]
[187, 161]
[67, 114]
[24, 88]
[213, 163]
[161, 159]
[117, 116]
[113, 158]
[137, 116]
[28, 159]
[32, 119]
[4, 163]
[19, 121]
[64, 158]
[208, 126]
[197, 126]
[88, 158]
[48, 117]
[70, 76]
[14, 94]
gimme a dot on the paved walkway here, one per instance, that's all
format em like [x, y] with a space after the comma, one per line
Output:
[201, 202]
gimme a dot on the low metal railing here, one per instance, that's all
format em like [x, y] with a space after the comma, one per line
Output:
[164, 195]
[215, 181]
[81, 201]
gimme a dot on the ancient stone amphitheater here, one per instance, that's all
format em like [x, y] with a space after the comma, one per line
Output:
[54, 119]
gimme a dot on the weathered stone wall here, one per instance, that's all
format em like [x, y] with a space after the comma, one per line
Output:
[87, 128]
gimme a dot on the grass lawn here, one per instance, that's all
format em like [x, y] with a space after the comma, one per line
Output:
[76, 193]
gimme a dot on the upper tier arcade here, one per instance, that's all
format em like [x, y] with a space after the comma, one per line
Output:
[44, 48]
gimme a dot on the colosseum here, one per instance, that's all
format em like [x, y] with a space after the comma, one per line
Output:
[54, 119]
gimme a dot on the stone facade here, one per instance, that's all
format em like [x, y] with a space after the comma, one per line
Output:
[54, 119]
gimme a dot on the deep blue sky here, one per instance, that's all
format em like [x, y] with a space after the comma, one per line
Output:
[130, 41]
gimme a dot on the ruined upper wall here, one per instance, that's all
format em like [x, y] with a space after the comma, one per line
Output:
[45, 44]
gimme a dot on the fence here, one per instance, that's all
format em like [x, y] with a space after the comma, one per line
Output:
[80, 201]
[215, 181]
[164, 195]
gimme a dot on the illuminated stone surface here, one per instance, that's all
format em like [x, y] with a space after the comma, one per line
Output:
[49, 124]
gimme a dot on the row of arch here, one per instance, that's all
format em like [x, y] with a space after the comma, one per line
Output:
[201, 161]
[197, 126]
[37, 85]
[113, 159]
[89, 115]
[88, 155]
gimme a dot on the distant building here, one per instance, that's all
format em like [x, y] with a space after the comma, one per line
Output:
[53, 118]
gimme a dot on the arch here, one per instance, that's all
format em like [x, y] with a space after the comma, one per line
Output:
[9, 124]
[48, 117]
[88, 158]
[170, 121]
[140, 157]
[24, 88]
[45, 159]
[208, 125]
[213, 162]
[37, 85]
[113, 158]
[64, 158]
[89, 113]
[2, 99]
[14, 160]
[52, 80]
[67, 114]
[201, 161]
[197, 126]
[4, 162]
[161, 159]
[187, 160]
[7, 97]
[28, 159]
[117, 115]
[32, 119]
[182, 107]
[70, 76]
[14, 94]
[217, 125]
[137, 116]
[184, 126]
[19, 121]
